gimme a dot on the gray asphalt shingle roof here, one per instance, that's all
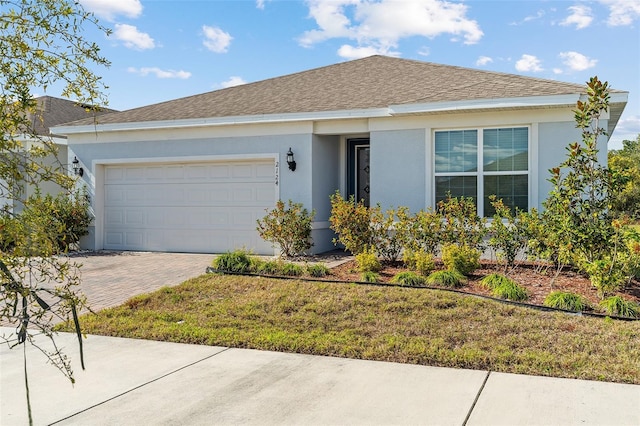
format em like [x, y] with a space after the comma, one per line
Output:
[53, 111]
[372, 82]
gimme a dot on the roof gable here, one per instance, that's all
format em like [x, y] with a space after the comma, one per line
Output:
[368, 83]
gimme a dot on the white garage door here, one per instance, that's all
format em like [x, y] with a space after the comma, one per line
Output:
[196, 207]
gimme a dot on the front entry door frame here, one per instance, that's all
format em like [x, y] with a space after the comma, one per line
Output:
[358, 169]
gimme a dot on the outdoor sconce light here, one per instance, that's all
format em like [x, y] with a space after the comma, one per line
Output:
[77, 170]
[290, 161]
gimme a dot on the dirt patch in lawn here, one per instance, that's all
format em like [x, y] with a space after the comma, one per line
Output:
[537, 279]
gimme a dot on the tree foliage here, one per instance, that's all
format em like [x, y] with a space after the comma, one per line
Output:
[625, 163]
[578, 207]
[42, 47]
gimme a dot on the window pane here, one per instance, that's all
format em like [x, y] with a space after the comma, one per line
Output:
[513, 190]
[505, 149]
[457, 186]
[456, 151]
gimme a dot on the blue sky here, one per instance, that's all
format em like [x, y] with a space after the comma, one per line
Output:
[166, 49]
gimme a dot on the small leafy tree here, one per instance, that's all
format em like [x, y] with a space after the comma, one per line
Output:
[578, 209]
[42, 45]
[288, 227]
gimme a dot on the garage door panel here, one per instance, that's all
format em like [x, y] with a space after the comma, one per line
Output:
[199, 207]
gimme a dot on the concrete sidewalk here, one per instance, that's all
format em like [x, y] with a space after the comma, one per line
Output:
[133, 382]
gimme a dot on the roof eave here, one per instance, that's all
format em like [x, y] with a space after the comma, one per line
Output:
[224, 121]
[618, 101]
[487, 104]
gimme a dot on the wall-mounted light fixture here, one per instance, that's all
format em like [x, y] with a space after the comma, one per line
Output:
[290, 161]
[77, 170]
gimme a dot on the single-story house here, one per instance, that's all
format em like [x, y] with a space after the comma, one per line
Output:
[49, 112]
[194, 174]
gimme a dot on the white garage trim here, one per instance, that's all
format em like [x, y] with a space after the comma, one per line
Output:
[158, 182]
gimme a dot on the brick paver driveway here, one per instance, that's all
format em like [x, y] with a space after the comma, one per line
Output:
[110, 278]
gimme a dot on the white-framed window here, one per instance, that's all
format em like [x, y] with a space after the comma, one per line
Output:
[481, 162]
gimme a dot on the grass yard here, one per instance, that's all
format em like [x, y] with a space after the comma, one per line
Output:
[429, 327]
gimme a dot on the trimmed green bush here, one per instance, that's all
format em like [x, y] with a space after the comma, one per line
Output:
[616, 305]
[288, 228]
[410, 279]
[235, 261]
[420, 261]
[446, 278]
[463, 259]
[367, 261]
[566, 300]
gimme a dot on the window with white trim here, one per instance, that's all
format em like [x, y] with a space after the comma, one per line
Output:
[478, 163]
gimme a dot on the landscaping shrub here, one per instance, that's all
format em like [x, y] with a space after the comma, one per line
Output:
[463, 259]
[351, 221]
[461, 223]
[605, 274]
[423, 231]
[447, 278]
[387, 235]
[511, 291]
[318, 270]
[566, 300]
[270, 267]
[367, 261]
[410, 279]
[420, 261]
[370, 277]
[617, 305]
[235, 261]
[492, 281]
[506, 235]
[292, 269]
[47, 224]
[288, 228]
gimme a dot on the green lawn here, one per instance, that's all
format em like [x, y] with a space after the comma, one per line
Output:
[429, 327]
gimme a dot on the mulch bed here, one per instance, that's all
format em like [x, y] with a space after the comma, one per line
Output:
[537, 279]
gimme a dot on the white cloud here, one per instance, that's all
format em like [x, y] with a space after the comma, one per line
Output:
[133, 38]
[424, 51]
[529, 18]
[557, 71]
[580, 16]
[622, 12]
[378, 25]
[528, 63]
[110, 9]
[260, 4]
[577, 61]
[233, 81]
[483, 60]
[160, 73]
[215, 39]
[350, 52]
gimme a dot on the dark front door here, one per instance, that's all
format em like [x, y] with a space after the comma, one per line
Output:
[358, 169]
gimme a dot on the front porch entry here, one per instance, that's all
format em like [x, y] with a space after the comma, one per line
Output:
[358, 169]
